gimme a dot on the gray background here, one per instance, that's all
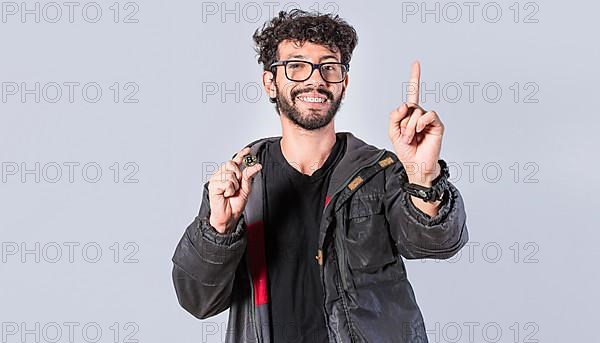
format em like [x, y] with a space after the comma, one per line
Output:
[527, 275]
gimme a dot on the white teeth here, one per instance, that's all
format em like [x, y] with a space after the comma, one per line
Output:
[311, 99]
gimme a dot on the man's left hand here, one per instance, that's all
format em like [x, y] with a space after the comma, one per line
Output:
[416, 135]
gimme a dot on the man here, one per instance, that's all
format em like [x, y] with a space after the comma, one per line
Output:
[302, 236]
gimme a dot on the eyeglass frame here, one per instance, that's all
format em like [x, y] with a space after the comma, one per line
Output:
[284, 63]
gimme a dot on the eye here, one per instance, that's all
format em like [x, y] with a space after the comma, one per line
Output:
[331, 68]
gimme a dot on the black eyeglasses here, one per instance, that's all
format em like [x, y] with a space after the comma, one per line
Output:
[299, 71]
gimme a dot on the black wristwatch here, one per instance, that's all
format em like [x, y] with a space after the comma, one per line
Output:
[439, 185]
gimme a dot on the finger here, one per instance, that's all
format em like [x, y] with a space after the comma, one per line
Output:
[248, 175]
[399, 114]
[231, 186]
[414, 82]
[396, 117]
[429, 118]
[226, 186]
[240, 155]
[231, 166]
[410, 107]
[409, 131]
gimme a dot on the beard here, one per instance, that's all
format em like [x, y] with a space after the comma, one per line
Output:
[312, 120]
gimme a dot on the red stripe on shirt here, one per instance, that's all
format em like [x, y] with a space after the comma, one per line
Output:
[258, 262]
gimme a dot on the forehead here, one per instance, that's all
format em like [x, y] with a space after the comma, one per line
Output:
[288, 48]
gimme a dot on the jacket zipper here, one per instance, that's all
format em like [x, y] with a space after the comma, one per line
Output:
[340, 267]
[252, 309]
[342, 254]
[343, 185]
[345, 306]
[340, 261]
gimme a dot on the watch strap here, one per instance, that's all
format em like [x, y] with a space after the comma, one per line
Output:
[438, 188]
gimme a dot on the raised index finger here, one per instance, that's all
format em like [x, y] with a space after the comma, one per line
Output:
[415, 77]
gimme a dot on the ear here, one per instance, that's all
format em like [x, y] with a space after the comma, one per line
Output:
[268, 80]
[345, 83]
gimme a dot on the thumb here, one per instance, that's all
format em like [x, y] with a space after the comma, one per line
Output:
[247, 176]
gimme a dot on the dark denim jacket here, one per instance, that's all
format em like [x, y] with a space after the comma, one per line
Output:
[369, 225]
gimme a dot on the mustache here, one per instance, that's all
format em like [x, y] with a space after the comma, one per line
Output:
[323, 91]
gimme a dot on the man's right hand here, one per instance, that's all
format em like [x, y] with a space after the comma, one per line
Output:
[228, 191]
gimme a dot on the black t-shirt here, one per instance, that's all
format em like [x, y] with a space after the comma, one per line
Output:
[294, 207]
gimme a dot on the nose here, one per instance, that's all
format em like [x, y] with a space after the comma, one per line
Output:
[315, 80]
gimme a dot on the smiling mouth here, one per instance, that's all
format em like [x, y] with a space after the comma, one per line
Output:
[312, 99]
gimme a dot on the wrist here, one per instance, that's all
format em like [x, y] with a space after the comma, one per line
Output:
[429, 208]
[430, 187]
[425, 179]
[221, 228]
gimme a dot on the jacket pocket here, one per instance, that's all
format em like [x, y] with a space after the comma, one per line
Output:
[367, 238]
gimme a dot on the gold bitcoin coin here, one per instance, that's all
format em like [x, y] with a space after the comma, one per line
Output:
[250, 160]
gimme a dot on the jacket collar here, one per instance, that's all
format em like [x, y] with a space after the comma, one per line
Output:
[356, 155]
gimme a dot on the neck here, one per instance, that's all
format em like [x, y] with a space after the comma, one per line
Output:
[306, 150]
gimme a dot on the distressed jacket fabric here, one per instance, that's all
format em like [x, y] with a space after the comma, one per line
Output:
[368, 226]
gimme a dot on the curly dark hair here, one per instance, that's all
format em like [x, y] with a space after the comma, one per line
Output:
[298, 25]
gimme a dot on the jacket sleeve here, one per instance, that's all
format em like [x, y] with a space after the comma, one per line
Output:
[417, 234]
[204, 264]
